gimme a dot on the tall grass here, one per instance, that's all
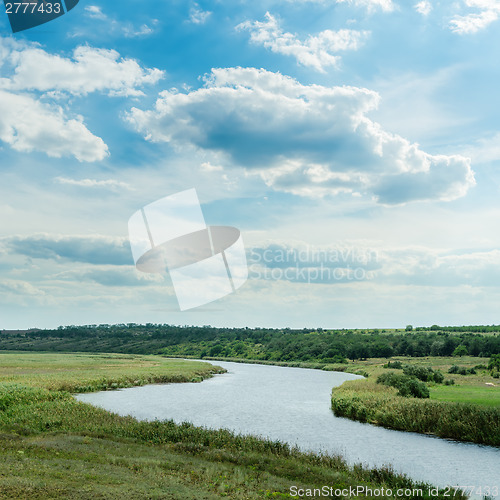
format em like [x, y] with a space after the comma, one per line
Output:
[366, 401]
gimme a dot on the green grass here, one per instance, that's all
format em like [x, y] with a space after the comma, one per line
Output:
[467, 388]
[486, 396]
[366, 401]
[87, 372]
[54, 447]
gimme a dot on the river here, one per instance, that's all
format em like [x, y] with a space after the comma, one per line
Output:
[293, 405]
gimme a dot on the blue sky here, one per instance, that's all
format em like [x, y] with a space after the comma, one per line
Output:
[355, 144]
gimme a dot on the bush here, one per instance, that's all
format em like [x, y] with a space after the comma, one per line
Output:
[449, 381]
[421, 372]
[397, 365]
[407, 385]
[438, 377]
[414, 388]
[461, 370]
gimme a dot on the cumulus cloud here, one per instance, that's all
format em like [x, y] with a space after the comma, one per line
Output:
[385, 5]
[97, 250]
[198, 15]
[487, 11]
[309, 140]
[424, 7]
[29, 125]
[93, 183]
[370, 5]
[95, 12]
[316, 51]
[143, 30]
[89, 70]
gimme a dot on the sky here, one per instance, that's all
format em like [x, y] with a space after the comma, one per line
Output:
[354, 143]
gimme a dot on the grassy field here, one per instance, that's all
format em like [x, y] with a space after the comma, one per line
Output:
[466, 389]
[469, 410]
[87, 373]
[486, 396]
[53, 447]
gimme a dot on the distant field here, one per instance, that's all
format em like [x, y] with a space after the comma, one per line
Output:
[86, 372]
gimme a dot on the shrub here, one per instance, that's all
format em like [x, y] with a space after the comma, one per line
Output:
[407, 386]
[421, 372]
[461, 370]
[438, 377]
[397, 365]
[414, 388]
[449, 381]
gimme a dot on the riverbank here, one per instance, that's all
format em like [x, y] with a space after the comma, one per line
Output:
[367, 401]
[56, 447]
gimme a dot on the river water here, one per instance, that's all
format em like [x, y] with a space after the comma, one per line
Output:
[293, 405]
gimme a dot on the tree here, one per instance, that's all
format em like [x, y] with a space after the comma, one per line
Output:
[409, 328]
[461, 350]
[494, 362]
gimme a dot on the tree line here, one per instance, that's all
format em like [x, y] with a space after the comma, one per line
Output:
[329, 346]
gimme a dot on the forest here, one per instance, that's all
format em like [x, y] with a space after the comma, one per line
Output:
[274, 345]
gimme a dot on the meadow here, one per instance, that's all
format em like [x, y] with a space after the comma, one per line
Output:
[467, 410]
[87, 373]
[53, 447]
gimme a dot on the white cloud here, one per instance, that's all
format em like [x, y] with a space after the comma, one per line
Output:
[489, 11]
[208, 167]
[371, 5]
[18, 287]
[484, 150]
[95, 12]
[197, 15]
[316, 51]
[309, 140]
[90, 249]
[89, 70]
[92, 183]
[29, 125]
[144, 30]
[424, 7]
[425, 266]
